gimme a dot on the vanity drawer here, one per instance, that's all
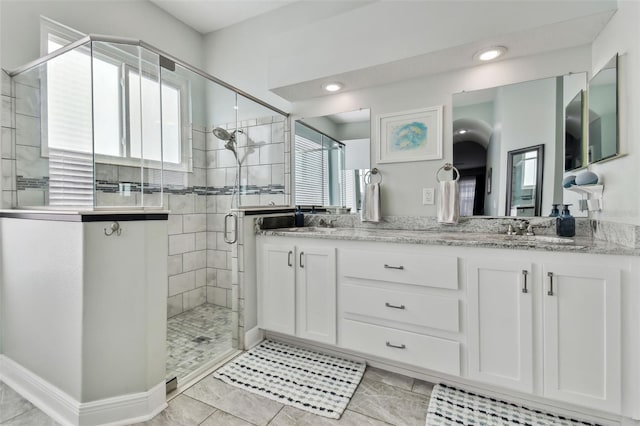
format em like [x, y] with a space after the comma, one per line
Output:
[408, 268]
[423, 351]
[410, 308]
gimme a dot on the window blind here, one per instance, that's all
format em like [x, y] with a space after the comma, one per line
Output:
[69, 136]
[310, 172]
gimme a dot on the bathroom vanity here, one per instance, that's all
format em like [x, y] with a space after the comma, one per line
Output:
[548, 318]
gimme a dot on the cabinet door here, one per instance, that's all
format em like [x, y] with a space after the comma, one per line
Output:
[582, 352]
[316, 294]
[277, 288]
[500, 323]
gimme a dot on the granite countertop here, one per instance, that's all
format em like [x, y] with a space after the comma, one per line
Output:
[462, 239]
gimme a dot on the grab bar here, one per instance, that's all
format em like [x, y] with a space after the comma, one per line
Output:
[226, 228]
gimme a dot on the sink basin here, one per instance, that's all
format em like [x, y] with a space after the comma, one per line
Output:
[544, 239]
[311, 229]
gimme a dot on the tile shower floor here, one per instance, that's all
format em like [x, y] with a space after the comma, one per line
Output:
[383, 398]
[195, 337]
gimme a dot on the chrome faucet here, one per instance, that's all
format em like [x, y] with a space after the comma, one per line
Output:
[530, 232]
[521, 228]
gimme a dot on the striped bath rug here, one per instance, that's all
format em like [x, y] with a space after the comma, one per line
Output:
[315, 382]
[450, 406]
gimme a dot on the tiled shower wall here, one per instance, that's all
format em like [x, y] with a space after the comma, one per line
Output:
[263, 147]
[200, 263]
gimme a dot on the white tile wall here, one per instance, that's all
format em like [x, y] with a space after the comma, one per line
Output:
[201, 266]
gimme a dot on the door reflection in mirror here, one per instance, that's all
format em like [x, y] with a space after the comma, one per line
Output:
[490, 123]
[524, 181]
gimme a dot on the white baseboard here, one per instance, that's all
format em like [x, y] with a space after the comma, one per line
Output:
[66, 410]
[253, 337]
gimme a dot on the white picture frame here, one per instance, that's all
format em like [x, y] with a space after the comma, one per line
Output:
[414, 135]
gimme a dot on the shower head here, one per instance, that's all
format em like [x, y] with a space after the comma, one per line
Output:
[229, 138]
[222, 134]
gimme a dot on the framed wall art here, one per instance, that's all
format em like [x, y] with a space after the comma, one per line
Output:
[410, 135]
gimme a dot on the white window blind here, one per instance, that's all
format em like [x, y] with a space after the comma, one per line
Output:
[467, 195]
[350, 189]
[68, 127]
[311, 172]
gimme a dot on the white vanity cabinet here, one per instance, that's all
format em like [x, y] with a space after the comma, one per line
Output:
[400, 305]
[500, 322]
[277, 288]
[554, 326]
[582, 335]
[297, 290]
[579, 320]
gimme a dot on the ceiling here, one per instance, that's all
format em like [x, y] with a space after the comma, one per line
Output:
[206, 16]
[553, 25]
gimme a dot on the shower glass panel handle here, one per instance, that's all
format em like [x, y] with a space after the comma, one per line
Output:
[226, 228]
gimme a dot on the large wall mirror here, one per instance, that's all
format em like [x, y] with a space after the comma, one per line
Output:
[603, 113]
[509, 145]
[331, 156]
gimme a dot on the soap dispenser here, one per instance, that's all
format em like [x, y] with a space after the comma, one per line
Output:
[298, 217]
[555, 212]
[565, 223]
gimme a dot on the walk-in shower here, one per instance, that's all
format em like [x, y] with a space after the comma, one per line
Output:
[112, 123]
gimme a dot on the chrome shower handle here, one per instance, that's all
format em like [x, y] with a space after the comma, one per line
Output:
[226, 228]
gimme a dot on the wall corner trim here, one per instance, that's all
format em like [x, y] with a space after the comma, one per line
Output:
[64, 409]
[253, 337]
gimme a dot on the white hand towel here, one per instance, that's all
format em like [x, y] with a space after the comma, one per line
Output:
[448, 202]
[371, 203]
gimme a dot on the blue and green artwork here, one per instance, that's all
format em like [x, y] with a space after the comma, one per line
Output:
[408, 137]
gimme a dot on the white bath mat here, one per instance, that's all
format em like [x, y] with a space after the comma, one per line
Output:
[315, 382]
[450, 406]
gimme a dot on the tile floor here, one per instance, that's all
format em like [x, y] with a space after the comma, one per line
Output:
[382, 398]
[195, 337]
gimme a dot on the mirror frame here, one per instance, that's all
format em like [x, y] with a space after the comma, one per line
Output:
[611, 64]
[539, 177]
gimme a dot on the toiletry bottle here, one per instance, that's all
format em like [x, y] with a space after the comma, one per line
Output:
[565, 223]
[554, 211]
[298, 217]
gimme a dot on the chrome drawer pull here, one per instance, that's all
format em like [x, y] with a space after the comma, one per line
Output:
[393, 267]
[524, 274]
[289, 258]
[402, 346]
[389, 305]
[550, 275]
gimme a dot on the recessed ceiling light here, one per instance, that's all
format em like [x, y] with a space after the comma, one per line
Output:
[462, 131]
[490, 53]
[333, 86]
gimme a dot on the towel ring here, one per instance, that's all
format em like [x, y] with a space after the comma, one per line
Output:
[447, 167]
[374, 171]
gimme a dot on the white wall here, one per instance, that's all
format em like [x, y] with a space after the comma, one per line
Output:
[20, 27]
[83, 311]
[403, 182]
[621, 176]
[42, 303]
[240, 54]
